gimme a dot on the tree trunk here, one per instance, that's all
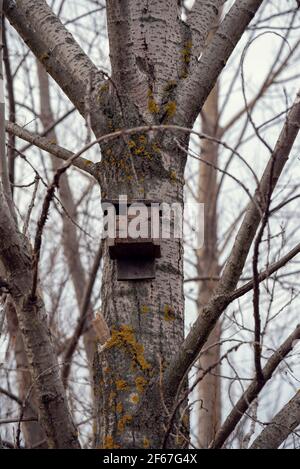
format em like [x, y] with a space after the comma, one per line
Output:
[209, 387]
[146, 319]
[32, 431]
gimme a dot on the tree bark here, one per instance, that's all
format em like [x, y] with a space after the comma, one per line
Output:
[16, 262]
[146, 318]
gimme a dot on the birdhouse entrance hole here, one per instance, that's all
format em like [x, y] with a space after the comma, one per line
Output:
[134, 243]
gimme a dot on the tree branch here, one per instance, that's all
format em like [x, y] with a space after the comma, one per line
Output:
[55, 48]
[253, 390]
[201, 19]
[194, 90]
[283, 424]
[47, 145]
[83, 316]
[266, 273]
[221, 298]
[16, 262]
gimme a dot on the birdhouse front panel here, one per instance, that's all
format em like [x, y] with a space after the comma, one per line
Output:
[136, 242]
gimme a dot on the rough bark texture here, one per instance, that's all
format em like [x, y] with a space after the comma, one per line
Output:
[194, 90]
[202, 19]
[209, 387]
[145, 317]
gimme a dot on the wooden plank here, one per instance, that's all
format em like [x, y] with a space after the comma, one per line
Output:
[135, 269]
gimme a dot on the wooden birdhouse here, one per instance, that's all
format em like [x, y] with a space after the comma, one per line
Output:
[134, 243]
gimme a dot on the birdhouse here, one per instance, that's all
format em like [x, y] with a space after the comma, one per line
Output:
[134, 241]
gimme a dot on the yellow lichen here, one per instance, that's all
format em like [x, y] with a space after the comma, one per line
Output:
[170, 109]
[121, 385]
[186, 53]
[125, 338]
[111, 397]
[156, 148]
[146, 443]
[170, 86]
[168, 313]
[125, 420]
[102, 90]
[152, 104]
[143, 139]
[145, 309]
[140, 383]
[109, 443]
[131, 143]
[140, 150]
[119, 407]
[173, 176]
[134, 398]
[186, 58]
[45, 56]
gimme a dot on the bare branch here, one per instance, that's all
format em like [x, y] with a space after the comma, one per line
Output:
[266, 273]
[236, 262]
[283, 424]
[253, 390]
[55, 48]
[16, 261]
[47, 145]
[194, 90]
